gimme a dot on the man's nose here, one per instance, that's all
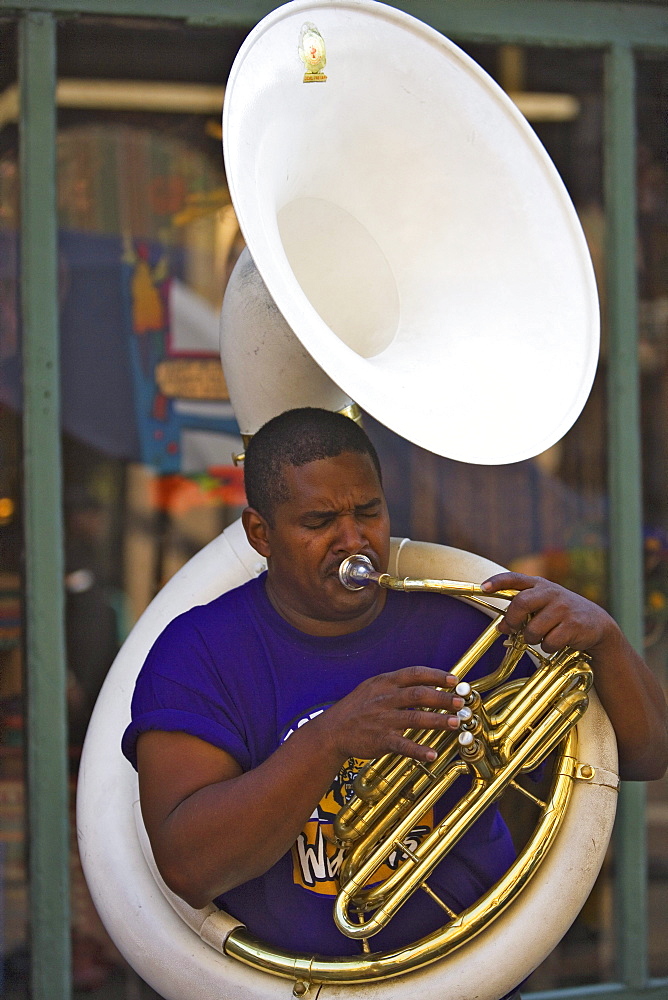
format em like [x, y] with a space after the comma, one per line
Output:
[350, 536]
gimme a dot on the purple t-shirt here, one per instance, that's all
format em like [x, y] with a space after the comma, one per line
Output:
[236, 674]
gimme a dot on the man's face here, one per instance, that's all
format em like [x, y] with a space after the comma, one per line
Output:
[336, 508]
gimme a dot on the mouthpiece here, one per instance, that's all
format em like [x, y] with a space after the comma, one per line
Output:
[356, 572]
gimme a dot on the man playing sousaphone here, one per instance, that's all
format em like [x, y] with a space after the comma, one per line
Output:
[252, 714]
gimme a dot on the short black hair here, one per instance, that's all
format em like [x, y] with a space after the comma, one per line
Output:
[297, 437]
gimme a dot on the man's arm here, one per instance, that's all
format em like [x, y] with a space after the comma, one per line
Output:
[213, 827]
[629, 691]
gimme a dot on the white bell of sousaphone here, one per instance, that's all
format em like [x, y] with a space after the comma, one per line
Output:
[413, 233]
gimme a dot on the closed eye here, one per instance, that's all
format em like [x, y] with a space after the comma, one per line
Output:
[317, 519]
[371, 509]
[313, 523]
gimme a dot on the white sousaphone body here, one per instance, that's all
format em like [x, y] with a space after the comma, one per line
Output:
[407, 226]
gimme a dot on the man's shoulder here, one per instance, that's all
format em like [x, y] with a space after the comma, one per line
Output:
[230, 609]
[247, 593]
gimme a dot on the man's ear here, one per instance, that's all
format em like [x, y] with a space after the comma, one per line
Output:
[256, 529]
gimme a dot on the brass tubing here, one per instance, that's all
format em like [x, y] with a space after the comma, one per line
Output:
[548, 697]
[443, 837]
[522, 722]
[405, 822]
[485, 641]
[497, 701]
[562, 671]
[516, 650]
[383, 773]
[455, 588]
[383, 965]
[525, 713]
[376, 770]
[399, 812]
[579, 698]
[388, 772]
[352, 832]
[349, 826]
[346, 824]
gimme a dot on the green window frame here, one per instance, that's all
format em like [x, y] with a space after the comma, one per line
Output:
[621, 30]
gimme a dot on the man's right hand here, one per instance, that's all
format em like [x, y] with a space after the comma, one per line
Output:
[372, 719]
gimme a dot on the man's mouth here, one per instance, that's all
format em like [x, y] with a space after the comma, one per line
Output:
[333, 570]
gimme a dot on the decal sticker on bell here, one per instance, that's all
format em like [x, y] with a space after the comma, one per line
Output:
[312, 53]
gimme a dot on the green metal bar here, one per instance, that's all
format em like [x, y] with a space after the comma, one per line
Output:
[625, 479]
[45, 645]
[540, 22]
[543, 22]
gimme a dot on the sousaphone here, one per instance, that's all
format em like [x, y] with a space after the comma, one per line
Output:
[411, 248]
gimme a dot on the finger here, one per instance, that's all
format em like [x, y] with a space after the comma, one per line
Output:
[428, 697]
[507, 581]
[542, 624]
[531, 603]
[551, 641]
[407, 748]
[514, 622]
[573, 634]
[414, 718]
[533, 624]
[415, 675]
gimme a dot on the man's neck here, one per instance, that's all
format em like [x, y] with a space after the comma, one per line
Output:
[318, 626]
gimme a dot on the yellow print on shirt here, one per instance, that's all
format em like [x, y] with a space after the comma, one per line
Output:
[316, 861]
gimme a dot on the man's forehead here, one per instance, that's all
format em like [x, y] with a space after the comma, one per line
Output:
[349, 470]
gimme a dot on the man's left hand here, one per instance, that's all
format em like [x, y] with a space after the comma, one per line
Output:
[549, 614]
[629, 691]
